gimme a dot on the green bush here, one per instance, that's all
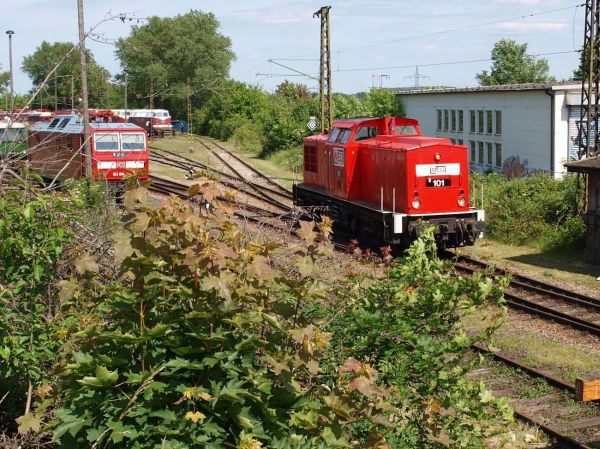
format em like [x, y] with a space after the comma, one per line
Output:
[205, 344]
[539, 211]
[408, 327]
[34, 232]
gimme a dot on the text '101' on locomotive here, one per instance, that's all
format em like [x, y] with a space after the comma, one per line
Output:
[384, 181]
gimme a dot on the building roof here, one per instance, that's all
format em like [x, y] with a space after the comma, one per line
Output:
[585, 165]
[496, 88]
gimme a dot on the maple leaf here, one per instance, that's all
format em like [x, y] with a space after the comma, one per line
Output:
[306, 232]
[86, 263]
[195, 416]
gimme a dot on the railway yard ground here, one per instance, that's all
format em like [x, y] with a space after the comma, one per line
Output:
[550, 347]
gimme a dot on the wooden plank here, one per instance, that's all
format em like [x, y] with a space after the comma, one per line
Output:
[587, 389]
[594, 421]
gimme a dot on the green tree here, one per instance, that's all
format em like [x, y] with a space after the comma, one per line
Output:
[512, 65]
[381, 102]
[348, 106]
[162, 56]
[4, 78]
[293, 91]
[583, 61]
[44, 59]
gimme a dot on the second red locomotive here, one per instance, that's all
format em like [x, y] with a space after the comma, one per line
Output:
[118, 149]
[383, 180]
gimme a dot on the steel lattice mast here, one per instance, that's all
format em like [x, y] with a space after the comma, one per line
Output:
[325, 107]
[588, 123]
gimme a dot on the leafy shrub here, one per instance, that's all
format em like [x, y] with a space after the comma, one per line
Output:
[33, 234]
[540, 211]
[408, 327]
[205, 345]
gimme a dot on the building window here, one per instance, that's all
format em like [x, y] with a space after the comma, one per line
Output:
[70, 143]
[460, 142]
[498, 155]
[473, 148]
[453, 120]
[445, 119]
[498, 123]
[480, 159]
[489, 122]
[480, 122]
[472, 122]
[460, 121]
[489, 154]
[439, 119]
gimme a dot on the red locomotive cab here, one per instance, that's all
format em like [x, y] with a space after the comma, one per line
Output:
[118, 151]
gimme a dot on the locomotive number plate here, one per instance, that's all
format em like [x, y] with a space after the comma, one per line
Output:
[338, 157]
[445, 182]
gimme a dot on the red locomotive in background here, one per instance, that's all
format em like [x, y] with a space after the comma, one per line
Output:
[384, 181]
[118, 149]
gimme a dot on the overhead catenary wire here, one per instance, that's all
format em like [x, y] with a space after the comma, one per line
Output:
[434, 33]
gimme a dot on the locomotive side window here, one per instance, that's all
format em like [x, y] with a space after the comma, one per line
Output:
[334, 135]
[407, 130]
[365, 132]
[133, 142]
[106, 142]
[345, 136]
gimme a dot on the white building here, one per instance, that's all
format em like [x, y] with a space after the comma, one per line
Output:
[522, 127]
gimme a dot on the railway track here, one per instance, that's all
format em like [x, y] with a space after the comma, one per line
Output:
[248, 188]
[543, 299]
[553, 410]
[245, 211]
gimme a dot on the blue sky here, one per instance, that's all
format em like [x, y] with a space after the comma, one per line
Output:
[373, 42]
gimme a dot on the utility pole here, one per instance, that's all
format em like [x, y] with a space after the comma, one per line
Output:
[126, 97]
[84, 94]
[10, 65]
[189, 114]
[55, 92]
[325, 106]
[418, 77]
[381, 77]
[588, 123]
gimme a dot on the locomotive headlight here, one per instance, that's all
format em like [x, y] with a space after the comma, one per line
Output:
[416, 203]
[437, 157]
[461, 201]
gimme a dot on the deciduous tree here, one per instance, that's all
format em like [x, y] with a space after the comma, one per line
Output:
[44, 59]
[162, 56]
[511, 64]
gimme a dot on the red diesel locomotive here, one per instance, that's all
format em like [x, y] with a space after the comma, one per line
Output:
[384, 181]
[118, 149]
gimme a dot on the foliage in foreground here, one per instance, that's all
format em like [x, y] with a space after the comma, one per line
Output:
[539, 211]
[33, 234]
[408, 327]
[205, 347]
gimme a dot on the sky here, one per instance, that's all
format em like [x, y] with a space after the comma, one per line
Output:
[373, 42]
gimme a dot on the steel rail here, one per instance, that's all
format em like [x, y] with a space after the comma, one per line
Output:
[257, 188]
[283, 189]
[196, 164]
[233, 185]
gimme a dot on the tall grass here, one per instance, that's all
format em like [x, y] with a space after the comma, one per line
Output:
[538, 211]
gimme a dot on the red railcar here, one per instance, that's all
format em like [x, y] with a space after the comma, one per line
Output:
[118, 149]
[383, 180]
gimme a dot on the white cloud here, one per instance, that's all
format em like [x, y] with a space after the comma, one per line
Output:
[536, 26]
